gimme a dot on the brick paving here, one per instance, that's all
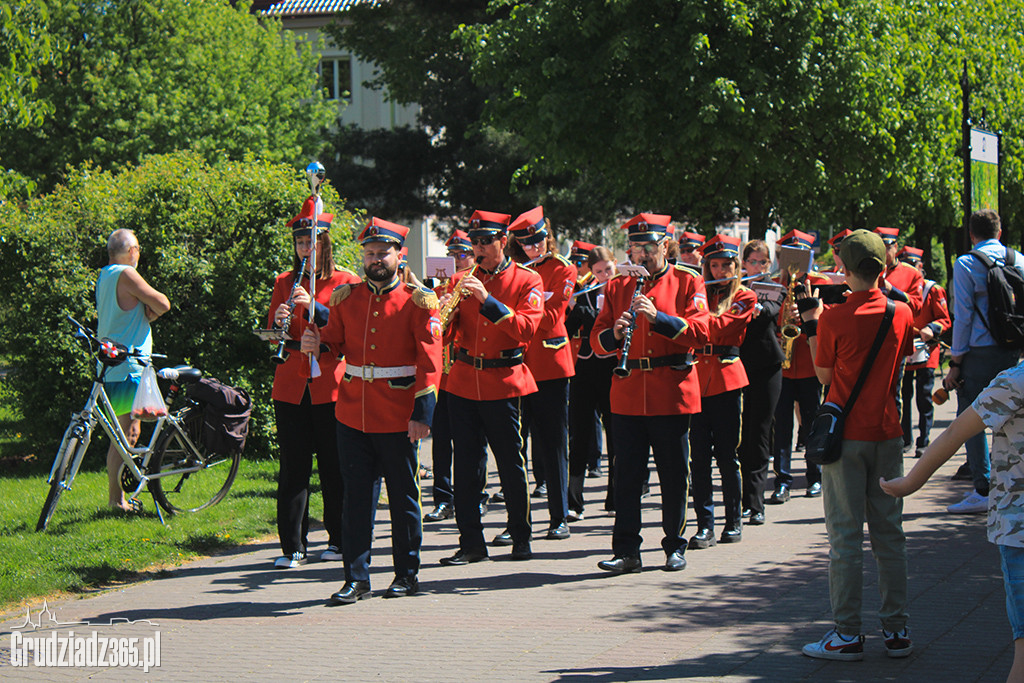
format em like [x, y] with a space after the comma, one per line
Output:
[738, 613]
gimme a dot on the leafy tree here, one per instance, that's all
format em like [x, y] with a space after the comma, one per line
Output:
[454, 162]
[213, 238]
[150, 76]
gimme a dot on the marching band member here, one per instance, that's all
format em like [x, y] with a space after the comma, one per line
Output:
[589, 404]
[461, 250]
[715, 431]
[919, 377]
[689, 248]
[651, 407]
[799, 386]
[898, 275]
[304, 412]
[550, 359]
[390, 336]
[491, 326]
[762, 361]
[837, 258]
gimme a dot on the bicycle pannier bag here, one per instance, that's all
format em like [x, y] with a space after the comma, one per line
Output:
[226, 411]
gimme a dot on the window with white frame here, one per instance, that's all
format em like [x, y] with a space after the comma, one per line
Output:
[336, 77]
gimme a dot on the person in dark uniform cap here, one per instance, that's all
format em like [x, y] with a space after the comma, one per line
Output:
[390, 336]
[491, 325]
[652, 405]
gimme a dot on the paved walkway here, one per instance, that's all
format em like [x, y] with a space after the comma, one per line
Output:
[737, 613]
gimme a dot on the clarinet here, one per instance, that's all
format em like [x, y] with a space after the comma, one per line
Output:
[280, 357]
[621, 370]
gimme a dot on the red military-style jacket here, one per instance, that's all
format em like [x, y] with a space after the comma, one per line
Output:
[680, 327]
[908, 280]
[499, 328]
[395, 326]
[718, 365]
[289, 382]
[802, 365]
[935, 314]
[549, 355]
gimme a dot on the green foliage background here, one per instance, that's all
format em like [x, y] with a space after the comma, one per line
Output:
[212, 237]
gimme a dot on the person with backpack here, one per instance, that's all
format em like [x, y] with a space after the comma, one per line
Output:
[977, 355]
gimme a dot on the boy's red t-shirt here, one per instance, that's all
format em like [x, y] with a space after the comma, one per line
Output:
[845, 334]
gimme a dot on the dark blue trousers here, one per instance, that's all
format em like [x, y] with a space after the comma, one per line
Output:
[714, 435]
[635, 437]
[760, 398]
[549, 441]
[441, 454]
[917, 386]
[365, 458]
[805, 392]
[475, 424]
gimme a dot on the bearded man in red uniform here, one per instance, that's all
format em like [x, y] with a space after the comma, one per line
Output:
[390, 336]
[491, 327]
[652, 405]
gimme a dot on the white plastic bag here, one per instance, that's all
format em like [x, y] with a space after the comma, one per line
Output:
[148, 405]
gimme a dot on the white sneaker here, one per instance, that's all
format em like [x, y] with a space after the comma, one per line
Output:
[332, 554]
[834, 645]
[898, 643]
[289, 561]
[972, 504]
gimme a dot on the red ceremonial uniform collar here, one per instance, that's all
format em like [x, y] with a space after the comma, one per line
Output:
[501, 266]
[386, 288]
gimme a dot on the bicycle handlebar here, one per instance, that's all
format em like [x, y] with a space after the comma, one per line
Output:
[108, 351]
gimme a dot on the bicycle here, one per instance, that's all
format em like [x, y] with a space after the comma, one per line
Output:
[175, 466]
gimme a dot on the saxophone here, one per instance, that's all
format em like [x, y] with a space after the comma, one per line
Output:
[790, 330]
[448, 310]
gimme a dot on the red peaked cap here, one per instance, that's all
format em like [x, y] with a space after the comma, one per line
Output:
[488, 223]
[691, 239]
[647, 227]
[837, 239]
[795, 238]
[888, 235]
[910, 254]
[721, 246]
[459, 241]
[582, 248]
[302, 225]
[530, 227]
[379, 230]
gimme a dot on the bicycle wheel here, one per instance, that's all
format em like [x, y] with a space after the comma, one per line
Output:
[193, 479]
[67, 451]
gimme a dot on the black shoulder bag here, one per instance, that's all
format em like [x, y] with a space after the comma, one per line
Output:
[825, 437]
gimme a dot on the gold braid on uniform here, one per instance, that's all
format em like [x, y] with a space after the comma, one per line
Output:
[422, 297]
[339, 294]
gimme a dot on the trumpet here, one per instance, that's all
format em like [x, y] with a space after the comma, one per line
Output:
[280, 356]
[790, 330]
[448, 310]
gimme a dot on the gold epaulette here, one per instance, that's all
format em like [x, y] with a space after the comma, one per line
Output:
[423, 297]
[688, 269]
[564, 261]
[339, 294]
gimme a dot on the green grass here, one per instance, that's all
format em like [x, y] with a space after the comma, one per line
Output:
[88, 547]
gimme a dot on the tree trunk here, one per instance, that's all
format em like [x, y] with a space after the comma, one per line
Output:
[759, 211]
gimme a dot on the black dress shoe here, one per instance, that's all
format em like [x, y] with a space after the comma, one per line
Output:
[504, 538]
[522, 551]
[705, 538]
[557, 533]
[675, 561]
[732, 533]
[351, 592]
[814, 490]
[621, 565]
[403, 586]
[756, 519]
[441, 512]
[464, 557]
[781, 495]
[498, 497]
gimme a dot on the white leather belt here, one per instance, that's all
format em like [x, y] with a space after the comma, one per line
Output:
[369, 373]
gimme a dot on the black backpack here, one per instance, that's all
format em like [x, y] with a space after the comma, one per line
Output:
[1005, 300]
[226, 411]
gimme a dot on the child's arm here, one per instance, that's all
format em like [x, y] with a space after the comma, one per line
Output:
[966, 425]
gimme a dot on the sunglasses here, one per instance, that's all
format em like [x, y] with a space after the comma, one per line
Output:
[484, 241]
[461, 256]
[687, 250]
[651, 248]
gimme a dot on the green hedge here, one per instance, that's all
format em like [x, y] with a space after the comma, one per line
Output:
[213, 238]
